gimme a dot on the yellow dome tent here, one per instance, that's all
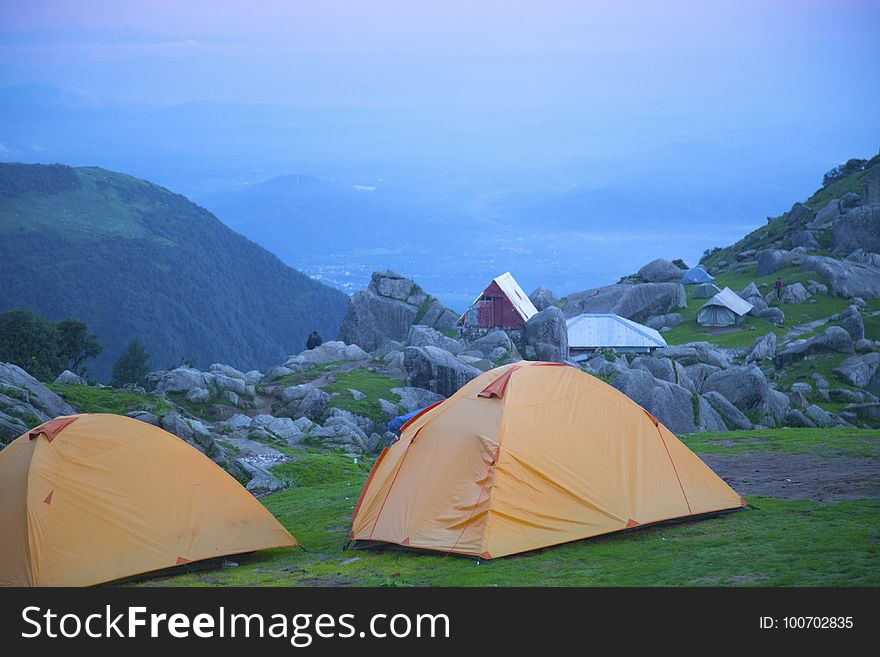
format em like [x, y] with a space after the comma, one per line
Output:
[526, 456]
[86, 499]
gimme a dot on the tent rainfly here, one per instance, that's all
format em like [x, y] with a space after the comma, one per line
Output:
[86, 499]
[589, 332]
[503, 304]
[526, 456]
[706, 291]
[724, 309]
[695, 276]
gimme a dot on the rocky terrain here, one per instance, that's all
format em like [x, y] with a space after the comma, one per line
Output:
[809, 357]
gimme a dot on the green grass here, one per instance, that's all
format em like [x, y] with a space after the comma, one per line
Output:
[374, 385]
[87, 399]
[803, 369]
[298, 378]
[823, 442]
[785, 543]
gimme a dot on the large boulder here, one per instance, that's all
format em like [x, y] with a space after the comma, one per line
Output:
[826, 216]
[386, 310]
[847, 278]
[436, 370]
[340, 433]
[861, 371]
[773, 315]
[545, 336]
[491, 342]
[859, 228]
[833, 339]
[424, 336]
[68, 378]
[228, 370]
[181, 379]
[806, 239]
[287, 429]
[747, 388]
[794, 294]
[670, 320]
[772, 260]
[851, 320]
[636, 301]
[660, 271]
[732, 416]
[764, 348]
[327, 352]
[303, 401]
[542, 298]
[695, 352]
[412, 399]
[664, 369]
[18, 384]
[680, 410]
[262, 482]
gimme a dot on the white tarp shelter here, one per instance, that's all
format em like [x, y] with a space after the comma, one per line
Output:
[724, 309]
[592, 331]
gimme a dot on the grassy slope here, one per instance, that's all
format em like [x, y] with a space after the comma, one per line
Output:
[87, 399]
[784, 543]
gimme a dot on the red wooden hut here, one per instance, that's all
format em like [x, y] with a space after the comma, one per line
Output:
[503, 304]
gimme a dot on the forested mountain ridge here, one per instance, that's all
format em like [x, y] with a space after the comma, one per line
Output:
[134, 260]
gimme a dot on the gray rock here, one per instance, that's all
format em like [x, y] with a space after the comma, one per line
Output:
[670, 320]
[861, 371]
[238, 386]
[664, 369]
[327, 352]
[547, 334]
[145, 416]
[389, 409]
[386, 310]
[797, 214]
[815, 287]
[847, 278]
[695, 352]
[424, 336]
[181, 379]
[357, 394]
[542, 298]
[68, 378]
[227, 370]
[826, 216]
[821, 417]
[231, 397]
[794, 294]
[699, 372]
[660, 271]
[821, 383]
[802, 387]
[859, 228]
[846, 396]
[174, 423]
[732, 416]
[764, 348]
[198, 395]
[413, 399]
[671, 404]
[436, 370]
[262, 482]
[849, 200]
[772, 260]
[289, 430]
[750, 290]
[340, 433]
[806, 239]
[487, 345]
[869, 410]
[276, 372]
[864, 346]
[795, 418]
[253, 377]
[832, 339]
[773, 315]
[798, 399]
[851, 320]
[748, 390]
[303, 401]
[32, 392]
[633, 301]
[238, 421]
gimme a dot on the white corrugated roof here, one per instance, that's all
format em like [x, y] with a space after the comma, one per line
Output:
[597, 330]
[514, 292]
[730, 299]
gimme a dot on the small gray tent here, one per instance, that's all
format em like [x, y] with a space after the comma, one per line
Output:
[724, 309]
[695, 276]
[706, 291]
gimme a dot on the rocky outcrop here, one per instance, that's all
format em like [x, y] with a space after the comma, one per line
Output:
[773, 315]
[328, 352]
[794, 294]
[680, 410]
[847, 278]
[303, 401]
[68, 378]
[436, 370]
[636, 301]
[669, 320]
[833, 339]
[25, 402]
[413, 399]
[664, 369]
[660, 271]
[764, 348]
[695, 352]
[772, 260]
[386, 310]
[542, 298]
[858, 228]
[851, 320]
[545, 336]
[732, 416]
[492, 345]
[747, 389]
[861, 371]
[425, 336]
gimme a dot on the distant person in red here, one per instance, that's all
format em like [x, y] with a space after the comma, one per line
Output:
[778, 286]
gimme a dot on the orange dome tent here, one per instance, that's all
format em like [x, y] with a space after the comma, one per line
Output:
[526, 456]
[86, 499]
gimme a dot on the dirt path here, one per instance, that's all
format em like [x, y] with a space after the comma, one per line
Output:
[798, 476]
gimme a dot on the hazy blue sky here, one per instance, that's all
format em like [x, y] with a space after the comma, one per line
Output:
[755, 99]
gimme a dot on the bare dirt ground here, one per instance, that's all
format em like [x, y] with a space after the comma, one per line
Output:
[798, 476]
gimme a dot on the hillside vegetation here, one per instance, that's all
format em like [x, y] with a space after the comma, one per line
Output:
[133, 260]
